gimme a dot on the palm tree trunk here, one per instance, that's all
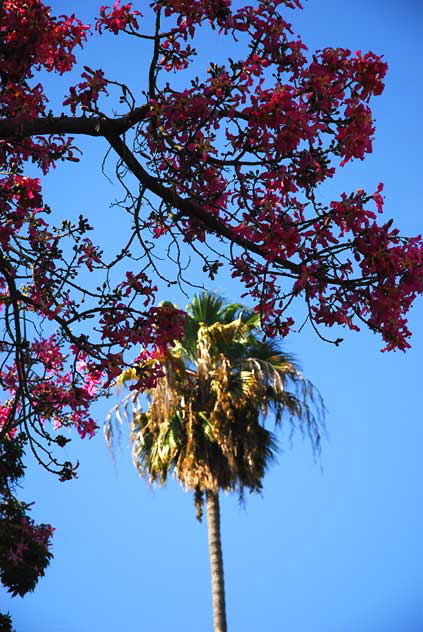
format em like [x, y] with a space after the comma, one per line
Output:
[216, 561]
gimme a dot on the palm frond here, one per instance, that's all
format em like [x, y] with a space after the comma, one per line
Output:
[230, 312]
[206, 308]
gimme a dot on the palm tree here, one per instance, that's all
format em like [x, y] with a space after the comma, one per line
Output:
[205, 420]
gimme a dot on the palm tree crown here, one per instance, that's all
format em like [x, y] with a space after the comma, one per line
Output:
[205, 421]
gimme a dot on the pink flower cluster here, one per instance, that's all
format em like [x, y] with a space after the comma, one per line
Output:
[87, 92]
[57, 394]
[117, 18]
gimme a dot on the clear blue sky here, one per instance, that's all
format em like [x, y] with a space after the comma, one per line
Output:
[329, 547]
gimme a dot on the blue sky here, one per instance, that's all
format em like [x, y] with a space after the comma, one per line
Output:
[332, 546]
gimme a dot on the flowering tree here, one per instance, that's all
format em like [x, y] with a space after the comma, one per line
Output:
[227, 166]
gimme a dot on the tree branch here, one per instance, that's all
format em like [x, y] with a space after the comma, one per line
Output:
[96, 126]
[188, 208]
